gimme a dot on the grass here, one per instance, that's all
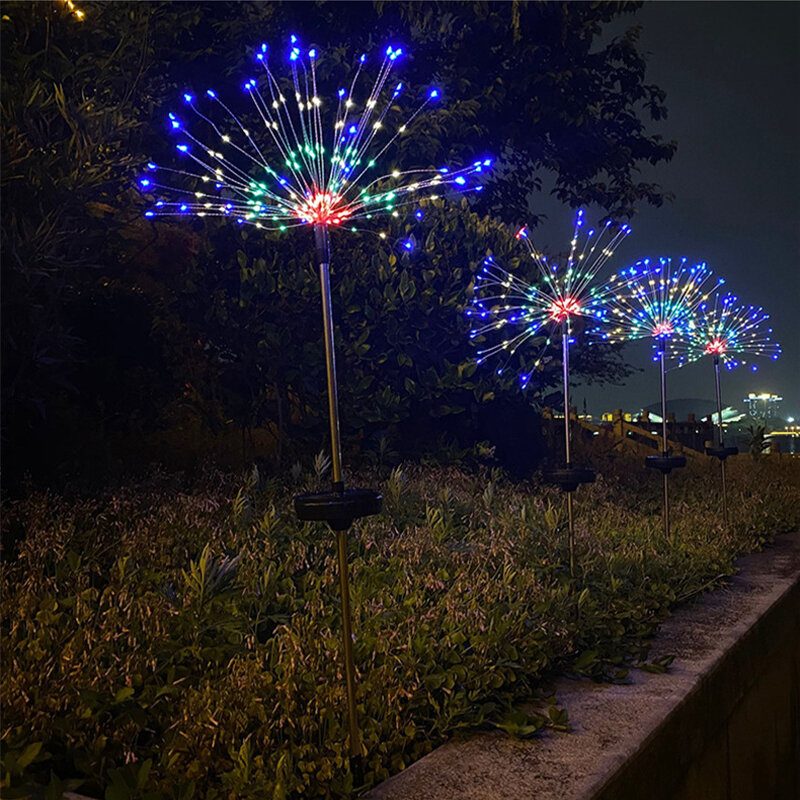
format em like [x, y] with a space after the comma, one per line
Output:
[170, 642]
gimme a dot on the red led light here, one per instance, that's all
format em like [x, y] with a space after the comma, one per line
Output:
[324, 208]
[561, 310]
[716, 347]
[522, 233]
[663, 329]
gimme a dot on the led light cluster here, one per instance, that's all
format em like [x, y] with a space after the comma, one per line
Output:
[727, 330]
[308, 161]
[655, 299]
[520, 310]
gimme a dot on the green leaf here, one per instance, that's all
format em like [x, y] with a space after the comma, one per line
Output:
[143, 773]
[586, 659]
[28, 755]
[123, 694]
[521, 725]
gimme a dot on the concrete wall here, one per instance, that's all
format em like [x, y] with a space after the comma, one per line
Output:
[736, 736]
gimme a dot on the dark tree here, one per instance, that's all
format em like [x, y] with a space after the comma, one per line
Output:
[110, 324]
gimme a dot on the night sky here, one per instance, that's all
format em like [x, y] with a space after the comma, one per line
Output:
[731, 72]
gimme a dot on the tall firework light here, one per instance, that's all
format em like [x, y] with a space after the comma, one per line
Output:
[298, 160]
[731, 334]
[513, 312]
[657, 300]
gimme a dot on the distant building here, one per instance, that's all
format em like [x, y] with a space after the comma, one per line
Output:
[763, 406]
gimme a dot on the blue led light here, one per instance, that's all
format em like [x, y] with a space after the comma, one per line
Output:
[350, 145]
[149, 214]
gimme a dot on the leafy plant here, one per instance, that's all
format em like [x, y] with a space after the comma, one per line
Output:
[166, 644]
[757, 442]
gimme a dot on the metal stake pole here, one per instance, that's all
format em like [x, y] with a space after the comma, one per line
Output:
[347, 641]
[567, 453]
[323, 253]
[665, 510]
[720, 439]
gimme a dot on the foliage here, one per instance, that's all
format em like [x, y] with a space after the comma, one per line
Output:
[165, 641]
[406, 360]
[100, 307]
[74, 115]
[757, 441]
[543, 84]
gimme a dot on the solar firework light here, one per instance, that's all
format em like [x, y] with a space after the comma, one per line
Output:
[518, 311]
[306, 162]
[658, 301]
[730, 334]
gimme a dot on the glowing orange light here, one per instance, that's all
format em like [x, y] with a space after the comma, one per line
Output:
[76, 12]
[324, 208]
[663, 329]
[716, 347]
[562, 309]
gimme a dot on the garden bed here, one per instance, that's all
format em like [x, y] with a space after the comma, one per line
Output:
[183, 641]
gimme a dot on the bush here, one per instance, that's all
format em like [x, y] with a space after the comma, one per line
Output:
[406, 362]
[170, 643]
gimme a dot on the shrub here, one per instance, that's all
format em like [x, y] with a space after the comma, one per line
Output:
[168, 643]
